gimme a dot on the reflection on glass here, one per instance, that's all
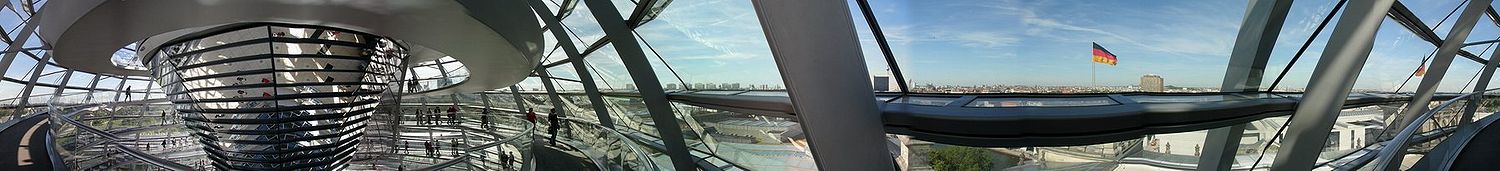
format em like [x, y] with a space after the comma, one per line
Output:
[765, 93]
[1041, 102]
[1043, 46]
[1193, 98]
[926, 101]
[756, 142]
[718, 92]
[710, 44]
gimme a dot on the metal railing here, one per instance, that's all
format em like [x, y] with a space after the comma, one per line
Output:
[1389, 157]
[621, 153]
[487, 155]
[83, 146]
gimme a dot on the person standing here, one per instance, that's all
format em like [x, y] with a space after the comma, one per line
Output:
[484, 119]
[453, 115]
[553, 118]
[429, 148]
[1169, 148]
[1197, 150]
[421, 116]
[505, 160]
[530, 115]
[453, 143]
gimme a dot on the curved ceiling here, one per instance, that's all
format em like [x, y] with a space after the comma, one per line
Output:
[502, 36]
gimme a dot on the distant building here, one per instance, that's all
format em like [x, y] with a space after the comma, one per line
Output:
[710, 86]
[881, 83]
[672, 86]
[733, 86]
[1152, 83]
[630, 86]
[699, 86]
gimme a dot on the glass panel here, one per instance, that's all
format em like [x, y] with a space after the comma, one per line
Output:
[606, 66]
[10, 21]
[1461, 75]
[20, 69]
[1355, 128]
[9, 90]
[585, 30]
[717, 92]
[53, 78]
[755, 141]
[923, 155]
[765, 93]
[109, 83]
[630, 114]
[36, 42]
[564, 71]
[1483, 30]
[137, 85]
[664, 74]
[1041, 102]
[555, 55]
[552, 7]
[1301, 21]
[626, 7]
[565, 86]
[1436, 13]
[37, 93]
[711, 41]
[1396, 56]
[874, 57]
[13, 22]
[1047, 44]
[926, 101]
[80, 79]
[550, 46]
[1197, 98]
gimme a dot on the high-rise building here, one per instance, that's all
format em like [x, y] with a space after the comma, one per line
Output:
[881, 83]
[671, 86]
[1152, 83]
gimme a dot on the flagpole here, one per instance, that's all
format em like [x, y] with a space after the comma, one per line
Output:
[1093, 75]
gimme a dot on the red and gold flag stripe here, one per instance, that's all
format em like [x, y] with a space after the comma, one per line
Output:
[1103, 56]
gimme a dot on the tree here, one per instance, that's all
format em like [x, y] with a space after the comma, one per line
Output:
[959, 159]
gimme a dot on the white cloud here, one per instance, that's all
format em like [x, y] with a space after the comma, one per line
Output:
[1183, 32]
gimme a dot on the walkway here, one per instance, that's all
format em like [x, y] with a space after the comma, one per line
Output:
[549, 158]
[27, 140]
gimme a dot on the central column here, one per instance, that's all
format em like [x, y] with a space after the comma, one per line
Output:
[270, 96]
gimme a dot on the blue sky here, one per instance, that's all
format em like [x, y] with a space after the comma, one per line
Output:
[1048, 42]
[982, 42]
[1015, 42]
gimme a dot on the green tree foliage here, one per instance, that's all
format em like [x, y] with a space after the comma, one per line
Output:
[958, 158]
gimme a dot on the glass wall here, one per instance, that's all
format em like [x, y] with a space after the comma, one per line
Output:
[1046, 47]
[718, 47]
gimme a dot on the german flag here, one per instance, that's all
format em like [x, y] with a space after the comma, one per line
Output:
[1103, 56]
[1421, 70]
